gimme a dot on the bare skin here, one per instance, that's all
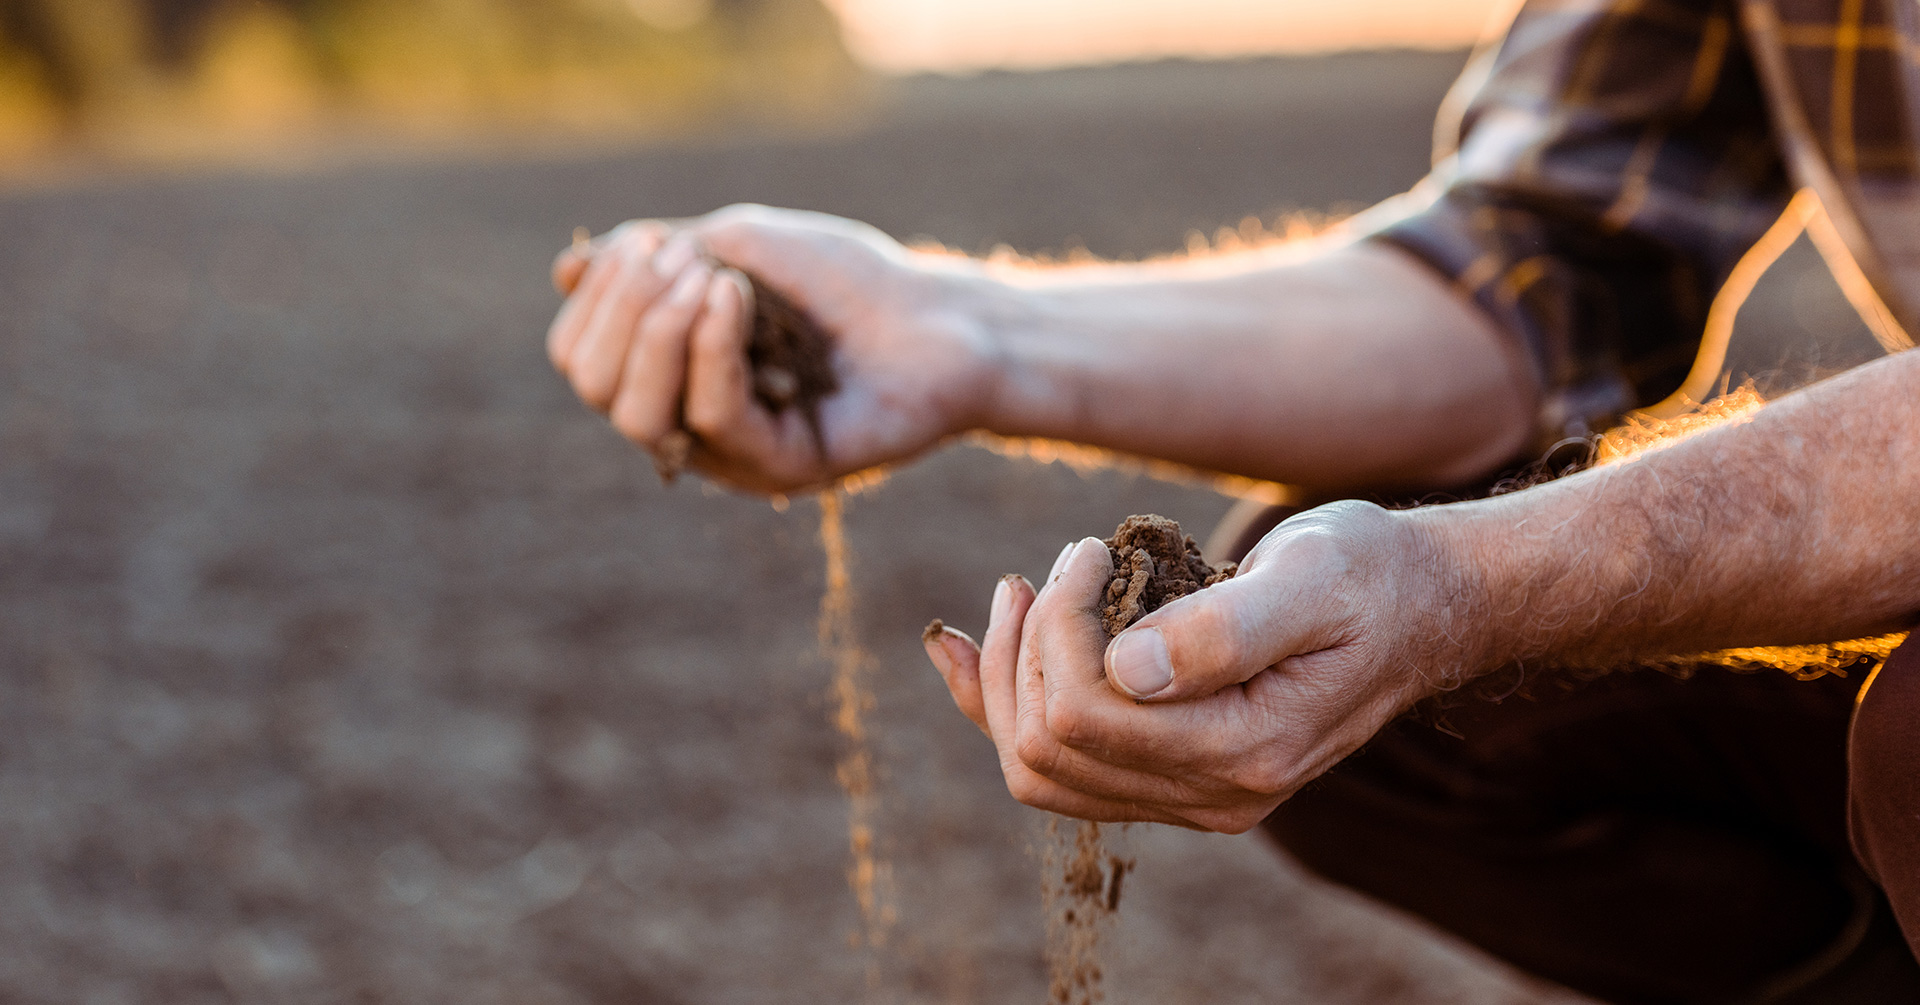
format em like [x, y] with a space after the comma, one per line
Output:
[1344, 366]
[1283, 364]
[1797, 526]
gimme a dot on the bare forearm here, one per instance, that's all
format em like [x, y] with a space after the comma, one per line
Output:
[1352, 367]
[1797, 525]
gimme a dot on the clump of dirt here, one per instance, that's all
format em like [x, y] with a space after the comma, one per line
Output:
[1082, 892]
[1153, 563]
[792, 357]
[792, 361]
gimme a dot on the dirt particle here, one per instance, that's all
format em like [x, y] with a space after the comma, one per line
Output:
[932, 633]
[671, 453]
[1153, 563]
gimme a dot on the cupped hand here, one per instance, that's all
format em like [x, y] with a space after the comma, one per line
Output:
[1211, 711]
[655, 328]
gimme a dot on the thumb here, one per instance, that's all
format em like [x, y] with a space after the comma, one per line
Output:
[1218, 637]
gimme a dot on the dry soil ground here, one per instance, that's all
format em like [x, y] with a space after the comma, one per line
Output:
[343, 657]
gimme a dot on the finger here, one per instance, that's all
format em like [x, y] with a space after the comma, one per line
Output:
[720, 408]
[572, 261]
[647, 405]
[1061, 562]
[1063, 655]
[1042, 794]
[1060, 675]
[999, 655]
[600, 269]
[597, 359]
[568, 266]
[999, 652]
[957, 658]
[597, 276]
[1227, 633]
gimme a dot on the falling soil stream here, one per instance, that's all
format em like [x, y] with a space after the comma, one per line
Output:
[1081, 878]
[868, 873]
[1080, 892]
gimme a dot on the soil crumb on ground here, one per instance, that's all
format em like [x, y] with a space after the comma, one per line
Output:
[1153, 563]
[792, 361]
[1081, 894]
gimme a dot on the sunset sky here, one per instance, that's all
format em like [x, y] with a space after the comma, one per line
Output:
[957, 36]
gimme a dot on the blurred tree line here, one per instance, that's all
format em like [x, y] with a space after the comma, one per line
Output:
[164, 79]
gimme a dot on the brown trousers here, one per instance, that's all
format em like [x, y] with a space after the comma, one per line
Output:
[1644, 838]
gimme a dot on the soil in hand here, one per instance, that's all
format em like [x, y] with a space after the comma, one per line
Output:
[1153, 563]
[792, 357]
[792, 361]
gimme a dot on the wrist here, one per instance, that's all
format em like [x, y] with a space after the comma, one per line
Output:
[998, 381]
[1459, 570]
[939, 310]
[1553, 575]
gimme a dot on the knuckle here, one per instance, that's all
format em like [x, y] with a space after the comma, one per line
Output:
[1206, 620]
[594, 390]
[706, 421]
[1238, 821]
[631, 430]
[1069, 721]
[1037, 751]
[627, 237]
[631, 420]
[733, 230]
[734, 218]
[1024, 787]
[639, 229]
[1208, 638]
[715, 420]
[1262, 778]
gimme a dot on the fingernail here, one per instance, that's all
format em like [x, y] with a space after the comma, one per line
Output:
[1002, 598]
[1139, 663]
[1061, 562]
[691, 285]
[937, 652]
[674, 256]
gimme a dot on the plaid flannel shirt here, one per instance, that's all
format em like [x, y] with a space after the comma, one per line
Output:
[1602, 168]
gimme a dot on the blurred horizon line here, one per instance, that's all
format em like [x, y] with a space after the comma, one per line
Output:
[963, 37]
[150, 83]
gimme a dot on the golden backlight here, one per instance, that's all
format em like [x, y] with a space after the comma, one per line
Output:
[909, 36]
[146, 81]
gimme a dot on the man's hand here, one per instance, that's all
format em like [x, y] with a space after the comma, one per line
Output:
[654, 334]
[1211, 711]
[1332, 363]
[1794, 525]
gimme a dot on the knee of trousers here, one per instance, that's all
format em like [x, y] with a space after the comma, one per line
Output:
[1883, 783]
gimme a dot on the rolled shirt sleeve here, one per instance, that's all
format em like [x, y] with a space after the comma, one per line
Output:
[1603, 168]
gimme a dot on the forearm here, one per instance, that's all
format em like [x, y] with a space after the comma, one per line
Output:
[1355, 366]
[1797, 525]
